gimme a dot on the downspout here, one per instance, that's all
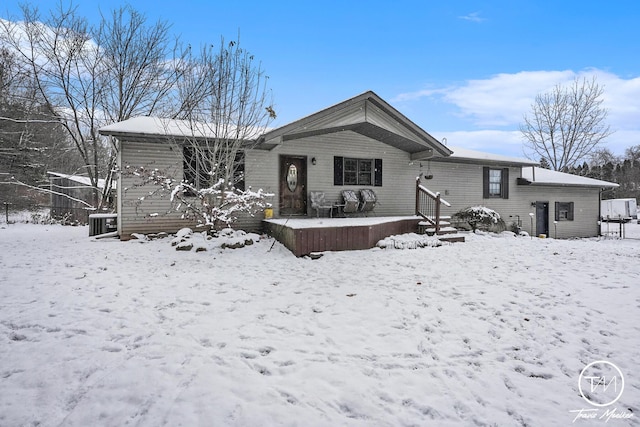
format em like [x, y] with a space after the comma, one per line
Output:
[600, 212]
[119, 190]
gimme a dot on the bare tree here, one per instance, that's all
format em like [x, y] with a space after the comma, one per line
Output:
[140, 65]
[30, 143]
[566, 124]
[88, 77]
[227, 105]
[602, 156]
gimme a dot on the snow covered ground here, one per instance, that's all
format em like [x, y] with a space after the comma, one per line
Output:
[494, 331]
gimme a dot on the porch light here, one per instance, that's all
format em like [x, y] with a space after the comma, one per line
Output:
[313, 161]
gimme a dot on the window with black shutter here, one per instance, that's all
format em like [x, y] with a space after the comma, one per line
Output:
[495, 183]
[352, 171]
[564, 211]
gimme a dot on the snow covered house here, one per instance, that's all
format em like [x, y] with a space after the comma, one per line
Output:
[360, 143]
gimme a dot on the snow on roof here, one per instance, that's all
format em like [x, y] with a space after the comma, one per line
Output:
[83, 180]
[145, 125]
[466, 154]
[550, 177]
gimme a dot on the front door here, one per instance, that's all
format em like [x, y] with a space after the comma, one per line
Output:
[542, 218]
[293, 185]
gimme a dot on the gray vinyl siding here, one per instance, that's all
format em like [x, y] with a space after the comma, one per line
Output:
[586, 201]
[261, 172]
[461, 184]
[145, 207]
[396, 196]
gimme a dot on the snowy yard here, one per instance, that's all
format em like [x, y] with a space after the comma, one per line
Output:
[494, 331]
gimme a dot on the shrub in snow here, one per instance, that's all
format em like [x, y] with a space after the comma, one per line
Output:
[480, 218]
[183, 232]
[215, 206]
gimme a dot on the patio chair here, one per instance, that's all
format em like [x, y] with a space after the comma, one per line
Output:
[369, 199]
[318, 202]
[351, 202]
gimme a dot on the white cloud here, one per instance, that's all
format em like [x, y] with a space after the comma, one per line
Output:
[510, 143]
[622, 99]
[503, 99]
[473, 17]
[489, 111]
[411, 96]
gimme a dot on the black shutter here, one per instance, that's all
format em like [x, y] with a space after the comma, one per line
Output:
[557, 209]
[338, 170]
[505, 183]
[485, 182]
[570, 215]
[377, 179]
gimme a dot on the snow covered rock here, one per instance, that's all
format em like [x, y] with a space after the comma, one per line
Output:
[239, 239]
[184, 246]
[184, 232]
[408, 241]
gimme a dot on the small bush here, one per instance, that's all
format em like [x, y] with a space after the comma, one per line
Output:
[481, 218]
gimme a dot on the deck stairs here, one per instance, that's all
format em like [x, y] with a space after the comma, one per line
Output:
[428, 206]
[446, 232]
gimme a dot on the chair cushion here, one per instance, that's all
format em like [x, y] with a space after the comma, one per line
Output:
[350, 196]
[368, 195]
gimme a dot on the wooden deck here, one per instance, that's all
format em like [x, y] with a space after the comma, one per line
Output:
[303, 236]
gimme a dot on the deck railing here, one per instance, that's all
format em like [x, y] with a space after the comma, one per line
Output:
[428, 205]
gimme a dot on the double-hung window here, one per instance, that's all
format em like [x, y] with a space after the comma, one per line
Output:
[495, 183]
[199, 168]
[353, 171]
[194, 167]
[564, 211]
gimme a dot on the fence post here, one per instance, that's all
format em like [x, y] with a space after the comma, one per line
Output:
[6, 211]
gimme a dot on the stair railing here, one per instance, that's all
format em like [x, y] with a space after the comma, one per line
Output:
[428, 205]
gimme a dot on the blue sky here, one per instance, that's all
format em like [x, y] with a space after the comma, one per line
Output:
[464, 70]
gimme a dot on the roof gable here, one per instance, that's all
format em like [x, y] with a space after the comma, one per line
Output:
[368, 115]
